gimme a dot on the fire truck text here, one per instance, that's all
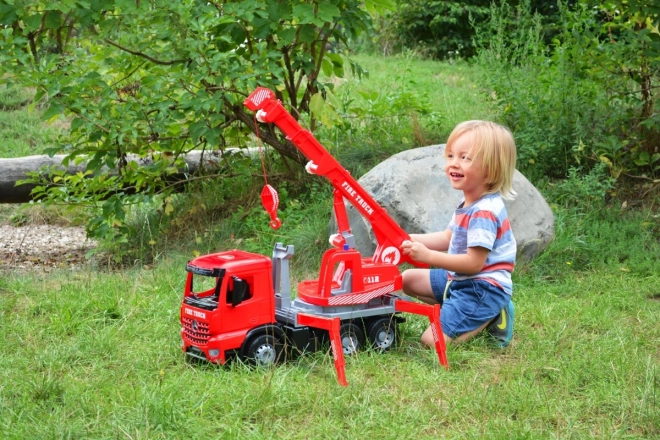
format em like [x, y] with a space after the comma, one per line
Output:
[195, 313]
[359, 200]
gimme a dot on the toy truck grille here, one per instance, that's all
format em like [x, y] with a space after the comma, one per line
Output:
[195, 331]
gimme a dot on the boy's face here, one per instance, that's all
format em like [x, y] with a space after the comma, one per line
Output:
[465, 174]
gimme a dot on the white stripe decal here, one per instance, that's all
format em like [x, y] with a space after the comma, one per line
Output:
[361, 298]
[260, 96]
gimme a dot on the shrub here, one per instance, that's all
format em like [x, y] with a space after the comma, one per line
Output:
[440, 29]
[565, 107]
[582, 191]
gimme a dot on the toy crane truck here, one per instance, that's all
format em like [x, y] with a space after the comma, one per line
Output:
[239, 303]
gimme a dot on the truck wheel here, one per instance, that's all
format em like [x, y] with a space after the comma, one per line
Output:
[264, 351]
[352, 338]
[383, 333]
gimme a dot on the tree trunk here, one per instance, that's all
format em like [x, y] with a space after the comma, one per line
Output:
[13, 170]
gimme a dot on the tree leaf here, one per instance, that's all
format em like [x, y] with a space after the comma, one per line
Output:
[53, 20]
[327, 11]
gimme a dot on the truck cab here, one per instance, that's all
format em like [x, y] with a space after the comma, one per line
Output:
[227, 294]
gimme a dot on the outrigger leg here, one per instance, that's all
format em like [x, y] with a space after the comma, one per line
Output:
[433, 313]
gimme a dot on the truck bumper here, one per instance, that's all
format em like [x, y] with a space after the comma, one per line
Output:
[217, 350]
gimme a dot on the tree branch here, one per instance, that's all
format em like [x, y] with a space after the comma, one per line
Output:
[267, 135]
[144, 55]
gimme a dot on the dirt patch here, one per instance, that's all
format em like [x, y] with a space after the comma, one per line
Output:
[42, 247]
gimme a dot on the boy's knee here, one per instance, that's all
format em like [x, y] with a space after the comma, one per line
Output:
[428, 340]
[406, 281]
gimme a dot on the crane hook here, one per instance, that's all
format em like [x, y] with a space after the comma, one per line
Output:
[270, 201]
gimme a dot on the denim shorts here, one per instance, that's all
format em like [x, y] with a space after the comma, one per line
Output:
[468, 304]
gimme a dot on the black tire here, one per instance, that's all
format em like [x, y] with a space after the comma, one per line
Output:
[264, 351]
[383, 333]
[352, 338]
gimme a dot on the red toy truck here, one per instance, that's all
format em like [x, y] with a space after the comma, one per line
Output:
[239, 303]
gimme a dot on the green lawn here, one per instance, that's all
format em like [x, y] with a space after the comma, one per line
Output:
[95, 353]
[22, 133]
[452, 89]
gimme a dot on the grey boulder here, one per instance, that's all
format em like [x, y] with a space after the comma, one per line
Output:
[414, 190]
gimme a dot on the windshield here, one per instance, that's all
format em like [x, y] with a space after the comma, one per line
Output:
[204, 285]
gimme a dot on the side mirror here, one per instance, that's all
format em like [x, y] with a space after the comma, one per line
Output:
[240, 291]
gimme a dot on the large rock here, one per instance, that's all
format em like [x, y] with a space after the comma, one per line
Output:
[412, 187]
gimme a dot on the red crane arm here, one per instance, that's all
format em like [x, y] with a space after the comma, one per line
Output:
[389, 234]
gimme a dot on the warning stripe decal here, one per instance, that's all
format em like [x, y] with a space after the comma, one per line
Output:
[361, 298]
[260, 96]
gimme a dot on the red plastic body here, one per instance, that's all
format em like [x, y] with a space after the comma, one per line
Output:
[225, 328]
[368, 280]
[270, 201]
[213, 325]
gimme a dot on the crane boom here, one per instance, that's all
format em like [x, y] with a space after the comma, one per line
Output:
[389, 234]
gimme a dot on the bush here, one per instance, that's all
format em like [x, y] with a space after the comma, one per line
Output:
[566, 109]
[582, 191]
[444, 29]
[439, 29]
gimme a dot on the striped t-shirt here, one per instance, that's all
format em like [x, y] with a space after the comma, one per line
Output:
[485, 223]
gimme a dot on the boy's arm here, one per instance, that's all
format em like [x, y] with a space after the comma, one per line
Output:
[469, 263]
[437, 241]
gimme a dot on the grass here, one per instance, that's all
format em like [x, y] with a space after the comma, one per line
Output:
[408, 102]
[21, 131]
[95, 353]
[452, 89]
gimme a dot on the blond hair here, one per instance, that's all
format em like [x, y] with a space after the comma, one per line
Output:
[494, 145]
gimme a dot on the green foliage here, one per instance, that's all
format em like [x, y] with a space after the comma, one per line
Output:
[13, 98]
[378, 121]
[225, 213]
[21, 133]
[543, 97]
[601, 240]
[582, 191]
[378, 116]
[406, 102]
[443, 29]
[439, 29]
[157, 79]
[622, 52]
[305, 216]
[565, 107]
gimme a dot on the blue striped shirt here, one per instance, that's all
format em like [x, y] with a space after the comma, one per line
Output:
[485, 223]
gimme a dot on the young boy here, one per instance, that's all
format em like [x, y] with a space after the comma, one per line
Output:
[473, 278]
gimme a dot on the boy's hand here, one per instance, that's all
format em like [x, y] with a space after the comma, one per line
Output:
[415, 250]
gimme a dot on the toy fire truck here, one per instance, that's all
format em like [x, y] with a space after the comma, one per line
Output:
[238, 303]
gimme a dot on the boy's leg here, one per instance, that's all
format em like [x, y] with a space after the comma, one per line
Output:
[470, 309]
[429, 287]
[427, 336]
[417, 283]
